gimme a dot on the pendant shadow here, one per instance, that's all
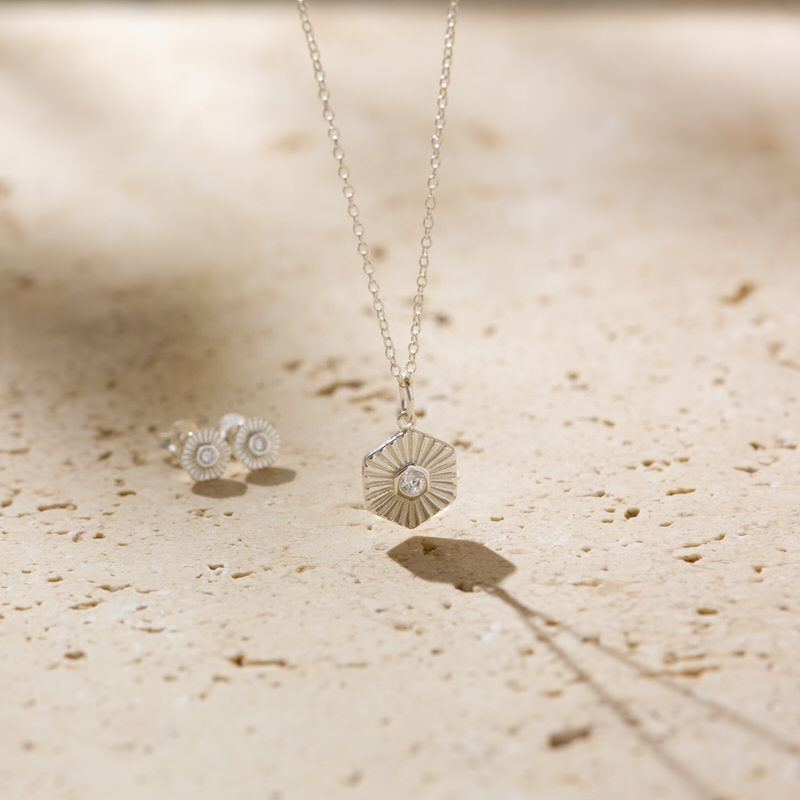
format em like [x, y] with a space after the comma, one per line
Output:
[468, 566]
[461, 563]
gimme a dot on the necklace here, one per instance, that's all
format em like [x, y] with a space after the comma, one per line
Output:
[411, 476]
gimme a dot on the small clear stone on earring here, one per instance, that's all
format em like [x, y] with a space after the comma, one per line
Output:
[207, 455]
[258, 444]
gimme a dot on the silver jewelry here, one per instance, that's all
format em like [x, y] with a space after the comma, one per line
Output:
[202, 452]
[411, 476]
[253, 441]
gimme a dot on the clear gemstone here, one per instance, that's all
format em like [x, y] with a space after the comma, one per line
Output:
[258, 444]
[177, 435]
[207, 455]
[230, 422]
[412, 482]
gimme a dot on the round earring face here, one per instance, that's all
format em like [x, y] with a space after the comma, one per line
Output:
[256, 443]
[205, 454]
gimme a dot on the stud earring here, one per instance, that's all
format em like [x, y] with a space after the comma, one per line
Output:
[253, 441]
[202, 452]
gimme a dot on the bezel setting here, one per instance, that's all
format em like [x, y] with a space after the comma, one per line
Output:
[196, 454]
[407, 482]
[256, 428]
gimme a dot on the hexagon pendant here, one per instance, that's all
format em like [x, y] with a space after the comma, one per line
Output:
[409, 478]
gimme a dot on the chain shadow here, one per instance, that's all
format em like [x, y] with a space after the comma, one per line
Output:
[470, 565]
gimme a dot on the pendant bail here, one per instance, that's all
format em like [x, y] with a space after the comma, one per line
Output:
[405, 419]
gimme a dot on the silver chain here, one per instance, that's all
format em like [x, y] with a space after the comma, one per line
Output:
[403, 375]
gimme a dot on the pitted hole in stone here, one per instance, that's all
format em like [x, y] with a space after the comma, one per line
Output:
[207, 455]
[258, 444]
[412, 482]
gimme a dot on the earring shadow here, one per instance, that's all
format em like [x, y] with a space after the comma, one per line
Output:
[271, 476]
[220, 488]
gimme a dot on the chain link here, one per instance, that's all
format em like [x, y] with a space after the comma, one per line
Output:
[402, 375]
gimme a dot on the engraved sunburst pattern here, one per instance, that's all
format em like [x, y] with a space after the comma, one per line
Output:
[205, 454]
[256, 443]
[409, 478]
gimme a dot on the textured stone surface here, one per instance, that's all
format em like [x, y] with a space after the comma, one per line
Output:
[609, 609]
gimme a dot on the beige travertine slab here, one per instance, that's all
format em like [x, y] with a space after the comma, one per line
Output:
[612, 343]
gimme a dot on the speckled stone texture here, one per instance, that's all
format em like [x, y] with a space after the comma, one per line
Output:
[612, 343]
